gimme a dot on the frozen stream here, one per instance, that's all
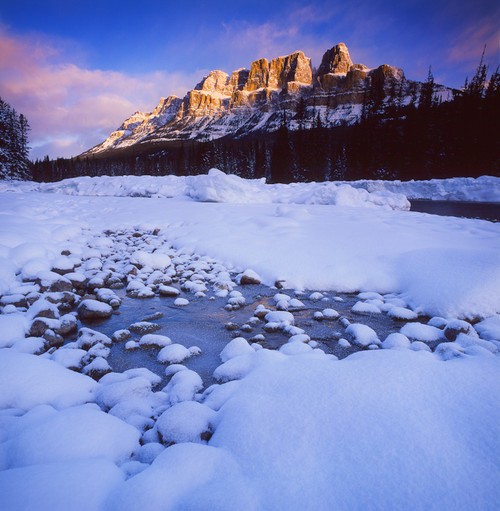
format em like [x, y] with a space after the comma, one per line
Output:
[206, 324]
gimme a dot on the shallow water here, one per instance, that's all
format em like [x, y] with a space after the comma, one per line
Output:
[202, 323]
[483, 210]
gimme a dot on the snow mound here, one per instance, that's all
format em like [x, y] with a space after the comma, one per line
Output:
[489, 328]
[362, 335]
[398, 396]
[98, 434]
[185, 422]
[154, 260]
[235, 348]
[176, 353]
[444, 282]
[199, 476]
[12, 328]
[183, 386]
[219, 187]
[27, 381]
[82, 485]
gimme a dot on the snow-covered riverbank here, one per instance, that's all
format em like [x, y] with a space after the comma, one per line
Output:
[217, 187]
[396, 425]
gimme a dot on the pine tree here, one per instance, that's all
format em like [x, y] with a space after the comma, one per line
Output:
[301, 113]
[340, 166]
[427, 100]
[14, 162]
[281, 164]
[477, 86]
[493, 89]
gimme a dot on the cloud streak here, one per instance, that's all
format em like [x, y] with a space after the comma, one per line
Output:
[472, 39]
[71, 108]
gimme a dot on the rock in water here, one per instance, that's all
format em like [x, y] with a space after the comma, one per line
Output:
[93, 309]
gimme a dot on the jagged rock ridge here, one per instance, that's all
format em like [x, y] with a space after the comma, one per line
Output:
[254, 100]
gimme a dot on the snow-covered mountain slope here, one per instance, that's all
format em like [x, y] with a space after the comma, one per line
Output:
[259, 98]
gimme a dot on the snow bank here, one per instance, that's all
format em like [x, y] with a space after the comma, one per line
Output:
[78, 485]
[481, 189]
[187, 476]
[219, 187]
[292, 429]
[389, 414]
[216, 187]
[455, 283]
[395, 435]
[98, 434]
[27, 381]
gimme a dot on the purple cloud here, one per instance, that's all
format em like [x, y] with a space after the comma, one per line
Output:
[71, 108]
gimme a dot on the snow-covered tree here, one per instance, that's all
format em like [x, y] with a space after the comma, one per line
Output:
[14, 128]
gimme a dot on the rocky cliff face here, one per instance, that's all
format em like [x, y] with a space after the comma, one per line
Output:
[254, 100]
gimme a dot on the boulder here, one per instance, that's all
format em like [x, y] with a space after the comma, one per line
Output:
[93, 309]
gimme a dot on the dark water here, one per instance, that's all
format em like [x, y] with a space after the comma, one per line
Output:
[483, 210]
[202, 323]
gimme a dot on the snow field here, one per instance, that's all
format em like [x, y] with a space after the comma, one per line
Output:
[413, 421]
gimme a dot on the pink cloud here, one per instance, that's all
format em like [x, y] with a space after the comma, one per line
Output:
[470, 43]
[71, 108]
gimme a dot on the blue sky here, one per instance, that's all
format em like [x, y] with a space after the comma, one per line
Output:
[77, 69]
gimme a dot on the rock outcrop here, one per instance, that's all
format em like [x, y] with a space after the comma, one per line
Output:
[254, 100]
[336, 60]
[278, 73]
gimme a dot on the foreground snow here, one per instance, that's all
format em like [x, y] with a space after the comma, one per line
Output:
[395, 426]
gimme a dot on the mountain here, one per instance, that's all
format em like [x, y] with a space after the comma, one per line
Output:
[260, 98]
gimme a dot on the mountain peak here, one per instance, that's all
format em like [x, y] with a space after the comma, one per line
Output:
[250, 100]
[215, 81]
[335, 60]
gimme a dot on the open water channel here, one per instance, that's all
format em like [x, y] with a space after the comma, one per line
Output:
[483, 210]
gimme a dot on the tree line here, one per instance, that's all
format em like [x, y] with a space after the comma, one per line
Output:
[404, 132]
[14, 149]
